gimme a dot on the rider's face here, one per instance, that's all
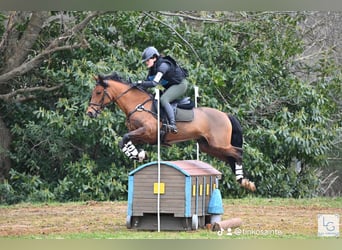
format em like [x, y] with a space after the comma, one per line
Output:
[149, 63]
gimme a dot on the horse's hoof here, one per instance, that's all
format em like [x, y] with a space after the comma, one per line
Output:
[245, 183]
[142, 155]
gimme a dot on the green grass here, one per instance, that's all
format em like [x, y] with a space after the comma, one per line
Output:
[131, 234]
[121, 232]
[332, 202]
[327, 202]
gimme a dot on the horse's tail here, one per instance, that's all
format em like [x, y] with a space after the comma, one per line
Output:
[237, 138]
[237, 141]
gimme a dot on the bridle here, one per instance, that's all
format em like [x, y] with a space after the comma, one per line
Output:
[101, 104]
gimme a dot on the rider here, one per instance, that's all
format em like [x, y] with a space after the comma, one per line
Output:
[166, 72]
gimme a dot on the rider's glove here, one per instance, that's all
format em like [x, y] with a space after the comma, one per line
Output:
[145, 84]
[138, 83]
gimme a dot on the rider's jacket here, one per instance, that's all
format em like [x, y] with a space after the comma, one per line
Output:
[172, 72]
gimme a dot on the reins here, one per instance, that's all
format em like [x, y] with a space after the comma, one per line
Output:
[139, 107]
[105, 93]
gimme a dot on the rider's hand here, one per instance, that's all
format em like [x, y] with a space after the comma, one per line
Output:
[138, 83]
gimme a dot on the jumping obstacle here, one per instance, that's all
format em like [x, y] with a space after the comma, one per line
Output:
[185, 189]
[225, 224]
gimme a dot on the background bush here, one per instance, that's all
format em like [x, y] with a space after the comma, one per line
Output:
[246, 67]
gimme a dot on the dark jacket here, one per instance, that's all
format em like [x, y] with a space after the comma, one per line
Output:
[172, 72]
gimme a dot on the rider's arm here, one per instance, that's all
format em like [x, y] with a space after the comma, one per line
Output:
[163, 68]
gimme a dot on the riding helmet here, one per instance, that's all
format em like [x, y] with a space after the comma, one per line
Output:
[148, 53]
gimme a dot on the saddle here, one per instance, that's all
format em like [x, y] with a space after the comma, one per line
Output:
[183, 109]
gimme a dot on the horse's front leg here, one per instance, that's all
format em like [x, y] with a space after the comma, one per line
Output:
[126, 145]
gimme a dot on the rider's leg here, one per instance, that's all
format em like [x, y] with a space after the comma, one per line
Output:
[171, 94]
[171, 115]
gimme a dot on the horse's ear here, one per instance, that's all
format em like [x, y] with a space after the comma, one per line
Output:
[101, 81]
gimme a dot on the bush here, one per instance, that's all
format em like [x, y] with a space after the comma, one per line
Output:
[245, 68]
[85, 180]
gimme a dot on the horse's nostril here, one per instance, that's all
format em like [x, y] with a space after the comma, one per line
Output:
[90, 114]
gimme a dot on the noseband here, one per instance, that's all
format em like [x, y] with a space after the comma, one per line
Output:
[101, 103]
[105, 94]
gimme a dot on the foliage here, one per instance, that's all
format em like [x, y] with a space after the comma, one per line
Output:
[85, 180]
[246, 68]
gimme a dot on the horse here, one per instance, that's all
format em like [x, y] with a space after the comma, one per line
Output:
[217, 133]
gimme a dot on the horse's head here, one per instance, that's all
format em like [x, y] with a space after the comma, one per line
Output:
[99, 98]
[112, 88]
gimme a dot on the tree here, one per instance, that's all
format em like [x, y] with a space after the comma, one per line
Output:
[247, 64]
[29, 41]
[322, 39]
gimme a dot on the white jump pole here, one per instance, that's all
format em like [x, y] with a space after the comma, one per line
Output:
[158, 140]
[196, 96]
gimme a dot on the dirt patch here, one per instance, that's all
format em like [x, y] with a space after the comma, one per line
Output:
[62, 219]
[286, 220]
[109, 217]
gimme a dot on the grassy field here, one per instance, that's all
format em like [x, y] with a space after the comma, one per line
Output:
[262, 219]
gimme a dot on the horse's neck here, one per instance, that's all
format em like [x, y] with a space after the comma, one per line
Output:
[128, 101]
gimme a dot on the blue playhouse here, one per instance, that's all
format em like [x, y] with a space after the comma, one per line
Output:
[188, 195]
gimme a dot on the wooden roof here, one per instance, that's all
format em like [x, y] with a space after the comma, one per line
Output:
[187, 167]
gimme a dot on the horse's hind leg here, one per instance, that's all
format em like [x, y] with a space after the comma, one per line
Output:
[233, 156]
[236, 163]
[238, 170]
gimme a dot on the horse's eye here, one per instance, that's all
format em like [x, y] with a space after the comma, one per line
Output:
[98, 92]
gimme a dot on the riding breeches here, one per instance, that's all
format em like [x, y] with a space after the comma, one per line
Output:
[173, 92]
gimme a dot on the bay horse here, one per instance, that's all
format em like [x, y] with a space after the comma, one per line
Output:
[214, 130]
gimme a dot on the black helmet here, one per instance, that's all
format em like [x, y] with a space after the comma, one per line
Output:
[148, 53]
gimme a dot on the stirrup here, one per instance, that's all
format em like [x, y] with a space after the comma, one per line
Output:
[173, 128]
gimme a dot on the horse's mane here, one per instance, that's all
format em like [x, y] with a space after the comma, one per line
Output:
[114, 76]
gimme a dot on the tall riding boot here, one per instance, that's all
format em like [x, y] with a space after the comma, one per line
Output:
[171, 115]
